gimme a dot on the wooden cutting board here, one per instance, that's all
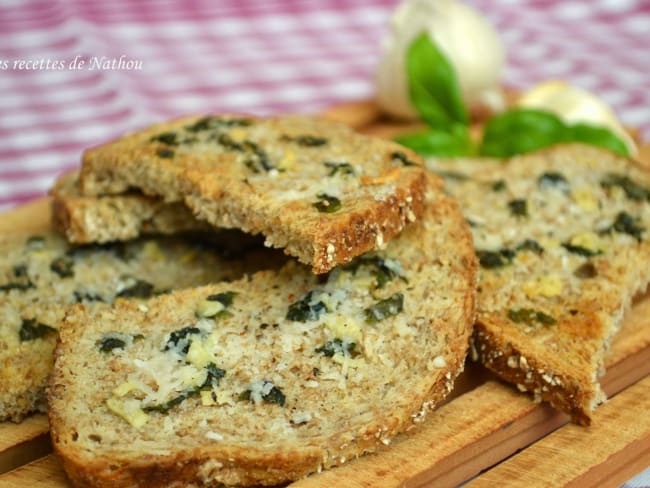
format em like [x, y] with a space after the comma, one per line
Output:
[474, 436]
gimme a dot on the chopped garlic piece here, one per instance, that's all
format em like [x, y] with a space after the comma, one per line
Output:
[342, 326]
[129, 410]
[207, 398]
[288, 161]
[201, 352]
[585, 199]
[589, 241]
[152, 251]
[546, 286]
[124, 388]
[209, 308]
[238, 134]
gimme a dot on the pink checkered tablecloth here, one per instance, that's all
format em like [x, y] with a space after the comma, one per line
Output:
[267, 56]
[261, 57]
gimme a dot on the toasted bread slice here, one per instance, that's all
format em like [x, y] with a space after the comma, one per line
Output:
[41, 276]
[562, 238]
[320, 191]
[110, 218]
[267, 379]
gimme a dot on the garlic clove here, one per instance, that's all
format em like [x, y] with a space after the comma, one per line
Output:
[470, 43]
[574, 105]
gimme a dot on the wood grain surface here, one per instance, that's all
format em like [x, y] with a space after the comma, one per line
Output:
[473, 436]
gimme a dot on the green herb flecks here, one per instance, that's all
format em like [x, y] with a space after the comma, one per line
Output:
[518, 207]
[109, 343]
[402, 158]
[530, 245]
[327, 203]
[63, 266]
[117, 340]
[495, 259]
[228, 142]
[383, 309]
[586, 271]
[553, 179]
[307, 308]
[165, 153]
[499, 185]
[453, 175]
[627, 224]
[530, 316]
[225, 298]
[257, 159]
[167, 406]
[632, 189]
[211, 123]
[580, 250]
[274, 395]
[31, 330]
[84, 296]
[216, 306]
[336, 346]
[20, 281]
[339, 168]
[306, 140]
[384, 270]
[180, 339]
[35, 243]
[213, 375]
[135, 288]
[169, 138]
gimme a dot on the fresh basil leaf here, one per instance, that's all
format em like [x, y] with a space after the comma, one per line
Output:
[520, 131]
[598, 136]
[439, 143]
[433, 86]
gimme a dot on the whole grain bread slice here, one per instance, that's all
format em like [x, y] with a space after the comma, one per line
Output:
[115, 217]
[317, 189]
[41, 276]
[270, 378]
[563, 242]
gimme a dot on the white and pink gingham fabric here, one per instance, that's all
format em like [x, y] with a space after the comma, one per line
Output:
[262, 57]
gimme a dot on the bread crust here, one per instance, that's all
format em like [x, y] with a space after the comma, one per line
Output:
[440, 258]
[267, 176]
[115, 217]
[578, 256]
[34, 289]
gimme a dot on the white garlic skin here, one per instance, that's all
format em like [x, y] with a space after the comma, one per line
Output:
[465, 37]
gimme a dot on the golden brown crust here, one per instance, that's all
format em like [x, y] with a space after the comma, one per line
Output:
[430, 361]
[92, 274]
[558, 275]
[266, 175]
[520, 366]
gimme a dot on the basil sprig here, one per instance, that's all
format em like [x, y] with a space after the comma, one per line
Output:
[433, 85]
[522, 130]
[436, 96]
[437, 142]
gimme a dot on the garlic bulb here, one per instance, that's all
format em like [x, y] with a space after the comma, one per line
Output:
[574, 105]
[468, 41]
